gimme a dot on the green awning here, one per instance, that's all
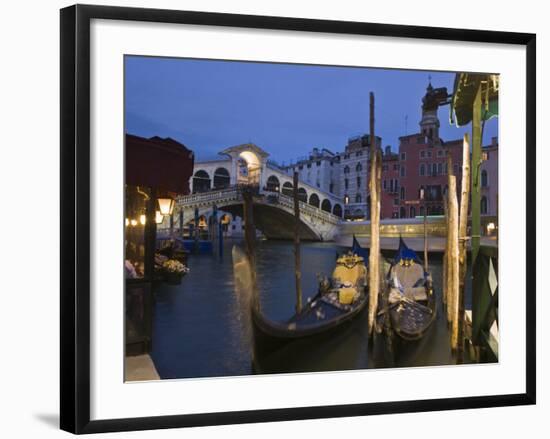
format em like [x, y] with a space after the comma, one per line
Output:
[465, 89]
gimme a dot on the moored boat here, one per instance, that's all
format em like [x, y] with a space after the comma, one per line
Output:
[409, 299]
[339, 300]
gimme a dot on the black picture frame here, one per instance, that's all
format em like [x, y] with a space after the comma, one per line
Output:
[75, 217]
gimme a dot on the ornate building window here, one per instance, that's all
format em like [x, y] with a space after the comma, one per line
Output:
[346, 169]
[358, 198]
[358, 167]
[422, 169]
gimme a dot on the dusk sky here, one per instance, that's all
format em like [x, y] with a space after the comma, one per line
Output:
[285, 109]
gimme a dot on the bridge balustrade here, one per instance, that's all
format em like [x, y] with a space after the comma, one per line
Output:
[269, 197]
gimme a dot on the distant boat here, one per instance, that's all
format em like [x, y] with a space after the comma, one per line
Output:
[409, 298]
[339, 300]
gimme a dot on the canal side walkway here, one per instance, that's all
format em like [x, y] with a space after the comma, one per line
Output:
[436, 244]
[140, 368]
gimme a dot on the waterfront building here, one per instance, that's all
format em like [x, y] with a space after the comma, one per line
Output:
[354, 168]
[423, 165]
[320, 168]
[389, 199]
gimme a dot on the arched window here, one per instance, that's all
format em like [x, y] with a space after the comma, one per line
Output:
[273, 184]
[288, 189]
[314, 200]
[402, 192]
[484, 181]
[201, 181]
[412, 212]
[221, 178]
[358, 167]
[346, 183]
[422, 169]
[346, 169]
[302, 194]
[326, 206]
[421, 210]
[358, 182]
[358, 198]
[484, 205]
[337, 210]
[402, 213]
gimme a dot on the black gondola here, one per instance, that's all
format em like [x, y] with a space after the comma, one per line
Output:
[409, 298]
[339, 300]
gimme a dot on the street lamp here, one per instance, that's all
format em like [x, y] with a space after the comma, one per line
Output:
[166, 205]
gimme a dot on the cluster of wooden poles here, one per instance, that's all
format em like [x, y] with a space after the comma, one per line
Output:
[455, 257]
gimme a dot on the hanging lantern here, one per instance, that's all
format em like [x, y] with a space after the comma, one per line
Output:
[158, 217]
[142, 219]
[166, 205]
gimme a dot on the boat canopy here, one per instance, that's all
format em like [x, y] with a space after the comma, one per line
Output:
[404, 253]
[360, 251]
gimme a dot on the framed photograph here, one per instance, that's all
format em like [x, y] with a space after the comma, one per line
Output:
[273, 218]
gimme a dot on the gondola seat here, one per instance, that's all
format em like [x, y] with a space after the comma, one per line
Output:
[408, 280]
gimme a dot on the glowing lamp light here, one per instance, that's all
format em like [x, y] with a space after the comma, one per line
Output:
[142, 219]
[490, 228]
[133, 222]
[346, 199]
[422, 193]
[126, 222]
[166, 206]
[158, 217]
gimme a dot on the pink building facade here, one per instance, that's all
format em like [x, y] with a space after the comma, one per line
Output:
[423, 166]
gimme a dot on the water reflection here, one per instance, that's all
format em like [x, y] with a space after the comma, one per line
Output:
[202, 327]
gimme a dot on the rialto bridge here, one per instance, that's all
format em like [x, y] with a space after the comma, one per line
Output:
[216, 183]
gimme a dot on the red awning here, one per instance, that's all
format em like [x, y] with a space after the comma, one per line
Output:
[164, 164]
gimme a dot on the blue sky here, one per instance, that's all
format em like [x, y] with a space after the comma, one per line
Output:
[285, 109]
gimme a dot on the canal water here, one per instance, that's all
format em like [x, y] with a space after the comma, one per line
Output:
[202, 327]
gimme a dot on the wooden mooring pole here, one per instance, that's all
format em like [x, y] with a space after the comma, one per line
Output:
[250, 240]
[374, 256]
[453, 261]
[297, 259]
[425, 233]
[458, 324]
[447, 263]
